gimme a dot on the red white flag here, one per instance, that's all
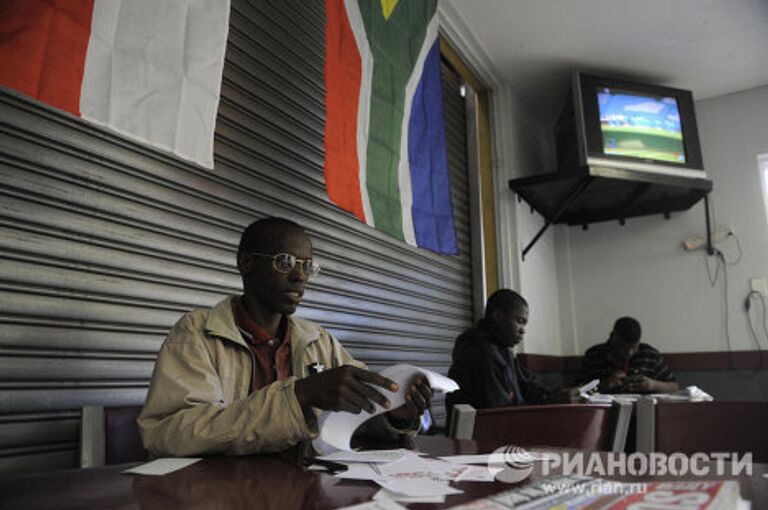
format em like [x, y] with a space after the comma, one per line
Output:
[148, 69]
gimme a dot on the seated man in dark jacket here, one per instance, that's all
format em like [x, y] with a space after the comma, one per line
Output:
[485, 366]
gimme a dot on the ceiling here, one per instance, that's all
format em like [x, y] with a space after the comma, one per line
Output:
[711, 47]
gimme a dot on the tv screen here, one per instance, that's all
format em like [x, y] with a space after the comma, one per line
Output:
[617, 123]
[640, 125]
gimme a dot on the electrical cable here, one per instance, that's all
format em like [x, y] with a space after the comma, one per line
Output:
[765, 316]
[741, 253]
[720, 256]
[712, 281]
[752, 327]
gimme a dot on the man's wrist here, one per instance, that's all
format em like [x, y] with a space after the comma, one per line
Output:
[298, 389]
[402, 423]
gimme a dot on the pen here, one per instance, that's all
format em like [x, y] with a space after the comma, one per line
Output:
[330, 466]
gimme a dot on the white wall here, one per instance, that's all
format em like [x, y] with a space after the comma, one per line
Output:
[527, 152]
[521, 147]
[640, 269]
[539, 285]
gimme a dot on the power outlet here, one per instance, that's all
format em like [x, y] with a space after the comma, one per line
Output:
[759, 285]
[698, 241]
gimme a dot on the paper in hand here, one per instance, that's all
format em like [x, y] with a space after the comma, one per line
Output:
[337, 427]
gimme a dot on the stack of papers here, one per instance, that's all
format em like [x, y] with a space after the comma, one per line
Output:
[402, 474]
[405, 475]
[410, 477]
[688, 394]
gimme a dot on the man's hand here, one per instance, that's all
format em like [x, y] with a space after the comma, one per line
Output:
[418, 397]
[643, 384]
[569, 395]
[640, 384]
[613, 381]
[344, 388]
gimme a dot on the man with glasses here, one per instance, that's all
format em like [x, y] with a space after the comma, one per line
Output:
[246, 377]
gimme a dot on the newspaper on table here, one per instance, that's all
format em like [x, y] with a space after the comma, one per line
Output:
[585, 492]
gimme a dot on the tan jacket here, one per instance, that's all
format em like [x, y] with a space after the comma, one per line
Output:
[198, 401]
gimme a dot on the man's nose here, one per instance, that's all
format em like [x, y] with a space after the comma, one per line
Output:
[298, 274]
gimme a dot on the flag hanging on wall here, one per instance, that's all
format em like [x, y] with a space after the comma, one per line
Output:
[147, 69]
[385, 154]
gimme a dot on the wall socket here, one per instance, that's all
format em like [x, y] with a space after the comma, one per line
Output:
[759, 285]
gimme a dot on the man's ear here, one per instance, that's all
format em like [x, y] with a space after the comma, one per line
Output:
[495, 316]
[242, 264]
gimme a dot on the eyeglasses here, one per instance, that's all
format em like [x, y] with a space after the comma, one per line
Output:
[285, 262]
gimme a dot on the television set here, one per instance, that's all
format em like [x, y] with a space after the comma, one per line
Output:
[621, 124]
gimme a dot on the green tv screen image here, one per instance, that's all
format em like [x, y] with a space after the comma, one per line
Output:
[640, 125]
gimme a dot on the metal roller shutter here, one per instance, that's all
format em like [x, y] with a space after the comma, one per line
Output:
[105, 242]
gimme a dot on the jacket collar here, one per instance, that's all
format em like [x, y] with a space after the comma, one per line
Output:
[221, 323]
[488, 334]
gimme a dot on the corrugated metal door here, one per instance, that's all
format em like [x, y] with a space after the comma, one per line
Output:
[105, 243]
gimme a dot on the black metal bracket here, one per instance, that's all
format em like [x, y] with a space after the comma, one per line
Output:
[637, 193]
[710, 249]
[595, 193]
[574, 192]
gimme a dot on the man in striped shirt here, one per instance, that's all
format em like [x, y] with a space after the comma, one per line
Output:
[625, 365]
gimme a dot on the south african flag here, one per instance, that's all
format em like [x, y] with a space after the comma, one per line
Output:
[385, 158]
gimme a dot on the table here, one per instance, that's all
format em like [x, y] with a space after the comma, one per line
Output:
[264, 482]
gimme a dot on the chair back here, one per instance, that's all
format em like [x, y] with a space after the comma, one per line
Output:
[690, 427]
[589, 427]
[123, 441]
[110, 435]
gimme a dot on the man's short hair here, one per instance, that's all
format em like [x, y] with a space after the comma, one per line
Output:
[505, 300]
[627, 329]
[259, 235]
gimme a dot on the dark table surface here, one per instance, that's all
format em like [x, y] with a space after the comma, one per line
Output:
[264, 482]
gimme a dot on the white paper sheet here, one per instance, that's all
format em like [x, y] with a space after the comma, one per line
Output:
[161, 466]
[468, 459]
[408, 465]
[586, 390]
[337, 428]
[434, 469]
[360, 471]
[603, 398]
[385, 494]
[369, 455]
[484, 458]
[478, 474]
[418, 487]
[412, 467]
[381, 504]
